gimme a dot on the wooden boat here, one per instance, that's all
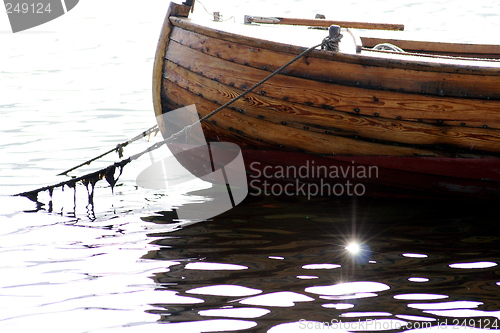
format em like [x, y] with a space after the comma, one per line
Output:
[427, 118]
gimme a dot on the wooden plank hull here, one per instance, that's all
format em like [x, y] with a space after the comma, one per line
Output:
[429, 125]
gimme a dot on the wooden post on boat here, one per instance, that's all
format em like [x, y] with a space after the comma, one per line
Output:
[173, 10]
[189, 3]
[323, 23]
[331, 43]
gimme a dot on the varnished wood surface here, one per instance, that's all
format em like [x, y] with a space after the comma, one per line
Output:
[419, 77]
[257, 37]
[163, 41]
[422, 142]
[261, 133]
[241, 73]
[320, 120]
[330, 104]
[327, 23]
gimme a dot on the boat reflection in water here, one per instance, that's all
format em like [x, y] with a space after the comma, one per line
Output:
[298, 265]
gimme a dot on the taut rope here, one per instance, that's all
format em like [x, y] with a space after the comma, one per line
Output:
[119, 149]
[109, 172]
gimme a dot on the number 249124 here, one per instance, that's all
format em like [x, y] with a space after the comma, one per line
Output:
[24, 8]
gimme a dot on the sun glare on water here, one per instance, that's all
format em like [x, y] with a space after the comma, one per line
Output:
[353, 248]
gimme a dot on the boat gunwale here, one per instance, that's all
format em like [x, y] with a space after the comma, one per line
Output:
[188, 24]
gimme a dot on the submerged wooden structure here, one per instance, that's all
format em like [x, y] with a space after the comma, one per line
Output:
[428, 118]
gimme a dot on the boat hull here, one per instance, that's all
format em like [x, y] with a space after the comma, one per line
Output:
[428, 128]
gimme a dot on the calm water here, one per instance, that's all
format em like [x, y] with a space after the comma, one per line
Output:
[77, 86]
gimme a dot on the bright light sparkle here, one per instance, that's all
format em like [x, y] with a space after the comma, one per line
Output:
[353, 248]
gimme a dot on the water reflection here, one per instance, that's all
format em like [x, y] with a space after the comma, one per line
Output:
[285, 266]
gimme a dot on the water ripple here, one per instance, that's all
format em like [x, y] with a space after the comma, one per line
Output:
[400, 282]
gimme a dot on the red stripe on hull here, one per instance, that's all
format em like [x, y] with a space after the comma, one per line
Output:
[422, 177]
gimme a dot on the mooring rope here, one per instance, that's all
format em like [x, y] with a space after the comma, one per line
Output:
[119, 149]
[276, 72]
[331, 43]
[109, 172]
[388, 47]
